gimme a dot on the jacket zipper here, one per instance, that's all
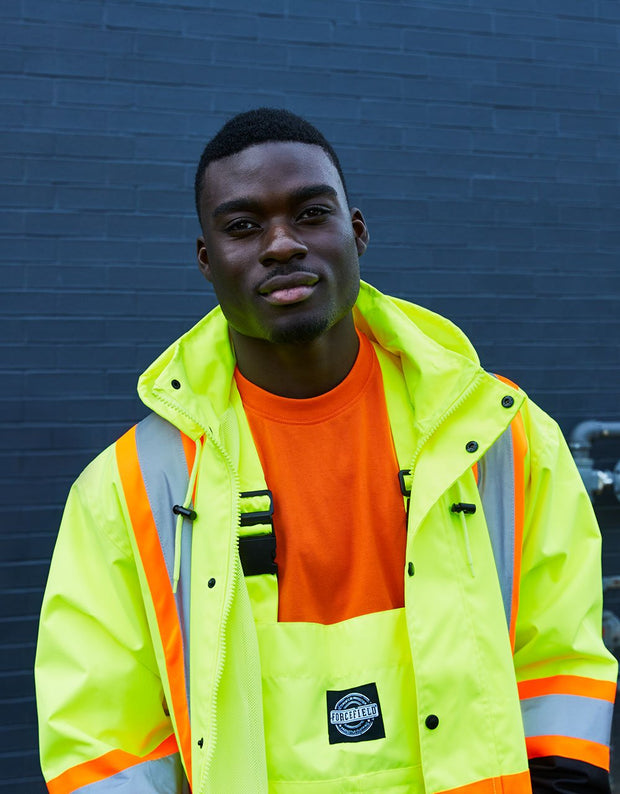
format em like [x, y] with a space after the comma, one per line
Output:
[455, 406]
[212, 727]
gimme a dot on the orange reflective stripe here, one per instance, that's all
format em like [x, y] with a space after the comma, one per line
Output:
[568, 685]
[506, 380]
[106, 766]
[506, 784]
[474, 468]
[158, 580]
[519, 449]
[568, 747]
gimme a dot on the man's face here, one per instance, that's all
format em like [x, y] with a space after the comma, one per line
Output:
[280, 244]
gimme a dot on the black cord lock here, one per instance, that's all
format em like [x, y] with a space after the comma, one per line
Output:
[179, 510]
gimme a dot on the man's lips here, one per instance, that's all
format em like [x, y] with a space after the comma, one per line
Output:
[292, 288]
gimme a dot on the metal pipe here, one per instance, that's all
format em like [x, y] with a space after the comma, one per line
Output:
[585, 433]
[580, 443]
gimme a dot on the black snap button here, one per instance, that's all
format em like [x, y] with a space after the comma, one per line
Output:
[175, 384]
[508, 401]
[410, 569]
[471, 446]
[211, 583]
[431, 722]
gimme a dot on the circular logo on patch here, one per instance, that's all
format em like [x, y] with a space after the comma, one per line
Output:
[354, 714]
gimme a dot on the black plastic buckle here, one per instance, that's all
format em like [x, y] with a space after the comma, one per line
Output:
[258, 552]
[401, 479]
[259, 516]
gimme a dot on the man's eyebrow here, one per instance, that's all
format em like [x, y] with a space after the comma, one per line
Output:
[313, 191]
[236, 205]
[249, 204]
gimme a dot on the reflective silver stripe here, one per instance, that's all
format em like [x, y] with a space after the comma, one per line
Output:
[164, 470]
[568, 715]
[162, 776]
[496, 486]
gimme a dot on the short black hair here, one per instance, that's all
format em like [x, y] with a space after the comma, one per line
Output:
[261, 125]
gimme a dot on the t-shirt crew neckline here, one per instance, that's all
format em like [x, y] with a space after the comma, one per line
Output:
[309, 410]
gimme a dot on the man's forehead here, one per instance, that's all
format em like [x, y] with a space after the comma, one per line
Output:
[284, 164]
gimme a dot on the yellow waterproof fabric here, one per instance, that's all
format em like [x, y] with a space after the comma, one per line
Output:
[464, 669]
[300, 662]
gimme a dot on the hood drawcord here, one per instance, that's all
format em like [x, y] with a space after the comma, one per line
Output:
[183, 514]
[464, 509]
[467, 546]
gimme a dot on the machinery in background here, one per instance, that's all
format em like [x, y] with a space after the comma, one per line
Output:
[598, 482]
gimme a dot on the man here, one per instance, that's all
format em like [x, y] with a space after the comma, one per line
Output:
[338, 555]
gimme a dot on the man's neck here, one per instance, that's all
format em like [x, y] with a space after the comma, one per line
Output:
[299, 370]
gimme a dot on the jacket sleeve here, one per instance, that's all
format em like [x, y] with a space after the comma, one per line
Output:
[103, 721]
[566, 676]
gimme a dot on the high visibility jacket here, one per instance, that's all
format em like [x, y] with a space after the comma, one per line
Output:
[148, 669]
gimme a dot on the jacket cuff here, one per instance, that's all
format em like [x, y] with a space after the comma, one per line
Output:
[555, 775]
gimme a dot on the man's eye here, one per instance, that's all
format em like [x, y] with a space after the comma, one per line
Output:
[313, 212]
[241, 225]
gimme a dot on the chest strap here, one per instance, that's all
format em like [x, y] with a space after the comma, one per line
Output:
[257, 552]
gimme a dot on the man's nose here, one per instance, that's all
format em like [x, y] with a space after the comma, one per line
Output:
[281, 244]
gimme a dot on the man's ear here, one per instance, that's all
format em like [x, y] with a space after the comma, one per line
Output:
[203, 258]
[362, 236]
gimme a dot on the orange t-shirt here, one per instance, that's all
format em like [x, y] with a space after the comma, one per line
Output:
[339, 516]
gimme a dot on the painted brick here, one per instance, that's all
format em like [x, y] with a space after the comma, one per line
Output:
[59, 225]
[113, 145]
[608, 10]
[34, 89]
[463, 68]
[435, 89]
[560, 98]
[538, 27]
[323, 9]
[203, 24]
[584, 30]
[420, 40]
[535, 73]
[20, 34]
[81, 93]
[161, 44]
[138, 16]
[90, 39]
[565, 53]
[503, 47]
[70, 198]
[11, 61]
[53, 63]
[58, 170]
[74, 11]
[27, 142]
[588, 124]
[502, 95]
[367, 36]
[271, 7]
[249, 52]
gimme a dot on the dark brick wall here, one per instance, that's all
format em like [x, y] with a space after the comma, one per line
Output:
[480, 138]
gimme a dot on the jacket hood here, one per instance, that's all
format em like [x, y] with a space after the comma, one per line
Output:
[190, 383]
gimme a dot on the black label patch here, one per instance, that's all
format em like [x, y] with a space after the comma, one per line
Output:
[354, 715]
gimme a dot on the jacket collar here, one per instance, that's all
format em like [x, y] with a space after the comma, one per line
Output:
[190, 383]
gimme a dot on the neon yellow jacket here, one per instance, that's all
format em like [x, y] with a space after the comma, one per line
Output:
[134, 687]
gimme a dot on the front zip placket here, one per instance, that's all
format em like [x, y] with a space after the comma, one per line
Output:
[236, 511]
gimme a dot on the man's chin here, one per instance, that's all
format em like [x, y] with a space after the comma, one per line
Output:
[301, 332]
